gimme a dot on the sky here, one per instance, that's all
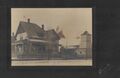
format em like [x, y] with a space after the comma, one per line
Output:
[72, 21]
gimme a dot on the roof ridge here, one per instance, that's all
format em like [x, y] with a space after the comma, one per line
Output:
[29, 22]
[85, 33]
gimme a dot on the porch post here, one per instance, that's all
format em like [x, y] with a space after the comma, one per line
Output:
[30, 47]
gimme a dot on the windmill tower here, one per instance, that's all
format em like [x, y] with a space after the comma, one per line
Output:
[86, 44]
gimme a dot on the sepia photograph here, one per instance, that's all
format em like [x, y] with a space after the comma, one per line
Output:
[51, 37]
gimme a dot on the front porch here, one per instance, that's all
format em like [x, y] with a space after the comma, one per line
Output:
[33, 48]
[30, 49]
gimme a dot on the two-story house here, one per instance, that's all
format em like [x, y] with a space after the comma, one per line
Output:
[33, 41]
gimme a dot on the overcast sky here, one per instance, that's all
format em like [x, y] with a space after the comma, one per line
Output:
[73, 21]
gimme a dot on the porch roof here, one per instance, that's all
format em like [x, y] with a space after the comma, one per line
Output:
[36, 40]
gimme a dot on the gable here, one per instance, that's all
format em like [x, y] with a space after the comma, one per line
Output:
[21, 36]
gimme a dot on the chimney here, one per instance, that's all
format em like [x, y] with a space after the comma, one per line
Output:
[28, 20]
[13, 34]
[43, 26]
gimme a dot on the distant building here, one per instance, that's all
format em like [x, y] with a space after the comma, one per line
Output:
[68, 53]
[72, 52]
[86, 44]
[32, 40]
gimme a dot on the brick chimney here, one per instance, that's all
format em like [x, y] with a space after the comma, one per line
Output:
[43, 26]
[28, 20]
[13, 34]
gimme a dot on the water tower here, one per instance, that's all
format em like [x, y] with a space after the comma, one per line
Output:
[86, 44]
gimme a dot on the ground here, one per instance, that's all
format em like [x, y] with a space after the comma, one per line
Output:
[87, 62]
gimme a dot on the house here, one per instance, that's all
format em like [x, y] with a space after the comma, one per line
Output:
[33, 41]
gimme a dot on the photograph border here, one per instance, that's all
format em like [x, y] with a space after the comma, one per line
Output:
[45, 68]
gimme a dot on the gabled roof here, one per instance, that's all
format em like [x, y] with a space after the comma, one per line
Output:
[30, 28]
[52, 31]
[85, 33]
